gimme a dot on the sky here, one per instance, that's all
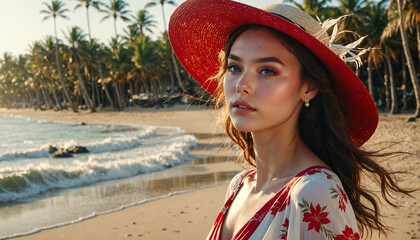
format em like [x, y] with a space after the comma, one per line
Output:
[21, 21]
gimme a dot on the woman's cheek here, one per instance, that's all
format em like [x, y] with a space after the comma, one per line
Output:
[228, 87]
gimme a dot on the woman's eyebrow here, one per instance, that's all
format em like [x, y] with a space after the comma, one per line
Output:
[269, 59]
[258, 60]
[234, 57]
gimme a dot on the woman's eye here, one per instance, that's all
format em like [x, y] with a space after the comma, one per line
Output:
[233, 68]
[267, 72]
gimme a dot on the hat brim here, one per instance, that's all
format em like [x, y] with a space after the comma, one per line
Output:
[199, 29]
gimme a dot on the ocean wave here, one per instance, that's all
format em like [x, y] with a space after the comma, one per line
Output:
[41, 177]
[109, 144]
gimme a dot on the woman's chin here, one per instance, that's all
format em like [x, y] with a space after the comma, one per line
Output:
[244, 127]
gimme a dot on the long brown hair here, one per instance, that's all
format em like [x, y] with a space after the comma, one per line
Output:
[323, 129]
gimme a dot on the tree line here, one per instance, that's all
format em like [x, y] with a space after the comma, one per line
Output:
[132, 69]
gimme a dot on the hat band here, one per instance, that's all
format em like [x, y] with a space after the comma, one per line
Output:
[285, 18]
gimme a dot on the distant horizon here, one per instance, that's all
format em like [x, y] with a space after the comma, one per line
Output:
[21, 22]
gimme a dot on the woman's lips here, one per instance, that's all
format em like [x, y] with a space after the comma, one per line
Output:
[242, 107]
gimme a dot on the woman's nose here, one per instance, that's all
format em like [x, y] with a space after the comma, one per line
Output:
[245, 84]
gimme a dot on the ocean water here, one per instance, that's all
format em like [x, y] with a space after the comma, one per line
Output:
[32, 183]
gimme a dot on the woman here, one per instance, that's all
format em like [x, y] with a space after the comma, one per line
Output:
[296, 110]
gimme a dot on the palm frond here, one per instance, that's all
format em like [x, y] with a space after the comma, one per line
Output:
[390, 29]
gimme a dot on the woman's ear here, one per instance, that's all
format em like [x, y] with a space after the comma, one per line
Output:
[311, 89]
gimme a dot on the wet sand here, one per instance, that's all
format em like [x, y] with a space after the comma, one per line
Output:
[190, 215]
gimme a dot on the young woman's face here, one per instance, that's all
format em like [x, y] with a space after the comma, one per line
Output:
[262, 85]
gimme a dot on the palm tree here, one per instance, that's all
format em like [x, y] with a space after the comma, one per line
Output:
[315, 7]
[412, 19]
[87, 3]
[131, 34]
[91, 45]
[410, 63]
[398, 23]
[174, 61]
[96, 52]
[146, 60]
[47, 51]
[119, 65]
[144, 21]
[35, 67]
[13, 76]
[39, 65]
[358, 9]
[75, 38]
[115, 9]
[164, 51]
[56, 9]
[375, 23]
[394, 99]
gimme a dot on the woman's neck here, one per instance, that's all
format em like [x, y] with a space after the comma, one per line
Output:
[280, 154]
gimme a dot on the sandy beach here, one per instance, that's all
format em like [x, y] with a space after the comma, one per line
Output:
[190, 215]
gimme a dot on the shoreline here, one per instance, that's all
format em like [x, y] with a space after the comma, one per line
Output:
[95, 215]
[149, 223]
[194, 120]
[183, 116]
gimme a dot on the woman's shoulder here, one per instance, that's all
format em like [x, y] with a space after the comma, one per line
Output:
[317, 182]
[236, 180]
[320, 207]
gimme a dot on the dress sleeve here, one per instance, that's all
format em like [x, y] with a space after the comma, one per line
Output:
[320, 209]
[235, 183]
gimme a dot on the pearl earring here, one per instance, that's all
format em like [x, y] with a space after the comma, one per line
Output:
[306, 101]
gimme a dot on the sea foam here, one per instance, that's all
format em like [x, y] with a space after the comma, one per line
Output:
[116, 155]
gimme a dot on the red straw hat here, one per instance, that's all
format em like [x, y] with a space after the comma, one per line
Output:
[199, 29]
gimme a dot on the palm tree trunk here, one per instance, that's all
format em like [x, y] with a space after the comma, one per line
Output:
[171, 75]
[130, 83]
[46, 97]
[98, 97]
[404, 77]
[176, 68]
[394, 99]
[85, 94]
[152, 89]
[118, 95]
[370, 80]
[60, 75]
[115, 27]
[410, 63]
[45, 94]
[386, 84]
[57, 102]
[88, 23]
[104, 87]
[92, 82]
[178, 76]
[418, 40]
[31, 96]
[146, 87]
[38, 100]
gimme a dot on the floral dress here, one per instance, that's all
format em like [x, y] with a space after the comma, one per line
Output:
[313, 205]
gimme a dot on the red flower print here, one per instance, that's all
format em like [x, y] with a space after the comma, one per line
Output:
[315, 218]
[348, 235]
[341, 205]
[286, 223]
[284, 231]
[342, 193]
[283, 236]
[280, 205]
[313, 171]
